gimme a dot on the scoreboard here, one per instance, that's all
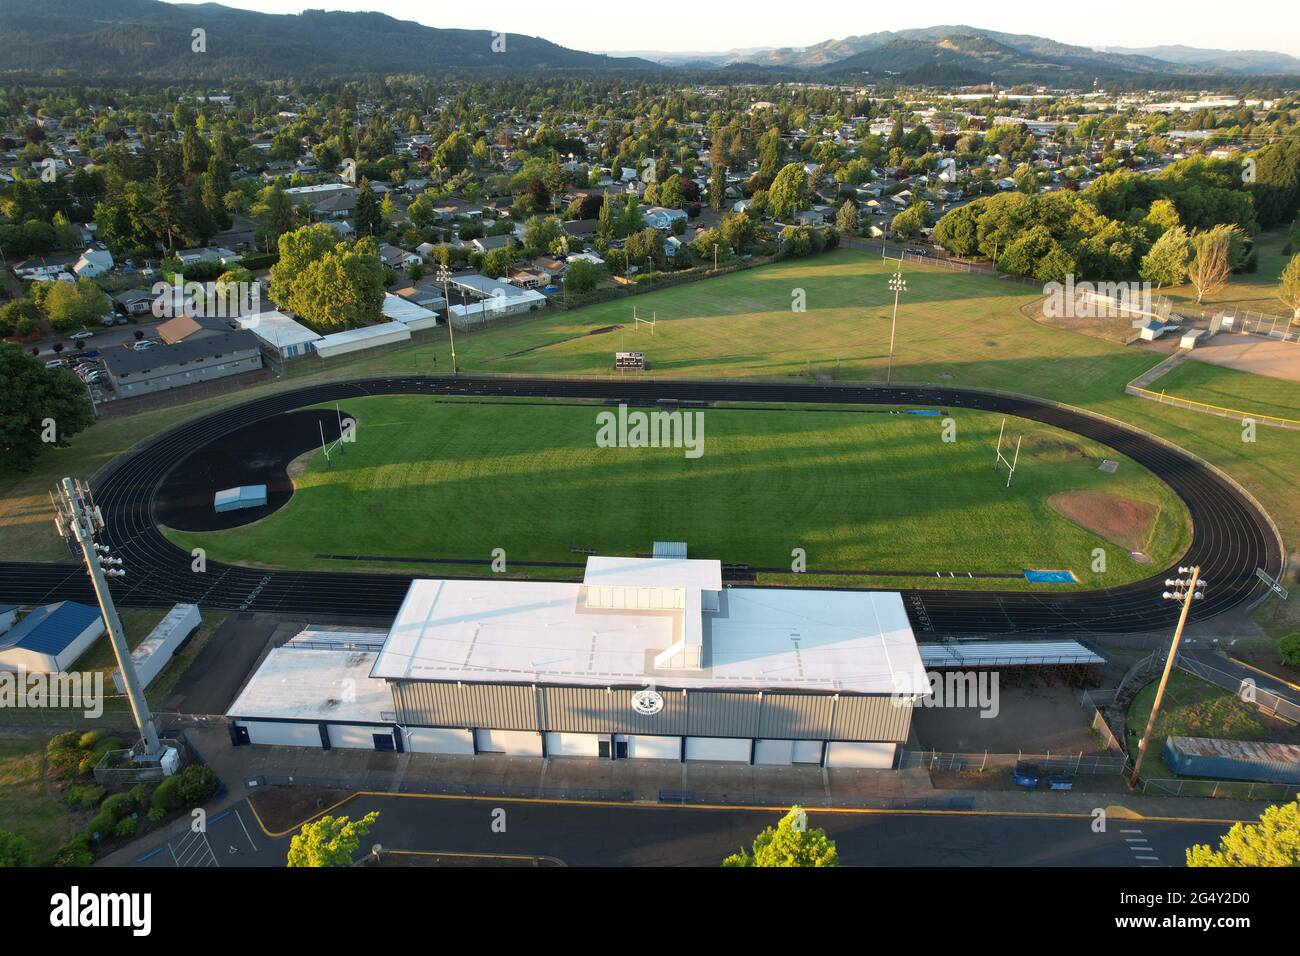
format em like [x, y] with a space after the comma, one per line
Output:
[629, 360]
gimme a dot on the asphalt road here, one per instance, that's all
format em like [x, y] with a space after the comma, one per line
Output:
[1231, 536]
[606, 835]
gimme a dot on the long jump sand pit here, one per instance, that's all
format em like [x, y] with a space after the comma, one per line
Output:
[1252, 353]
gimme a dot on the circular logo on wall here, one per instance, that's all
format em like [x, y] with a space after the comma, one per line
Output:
[647, 702]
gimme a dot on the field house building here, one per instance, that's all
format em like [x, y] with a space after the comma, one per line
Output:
[646, 658]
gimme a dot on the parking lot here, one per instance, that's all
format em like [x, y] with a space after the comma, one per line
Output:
[227, 840]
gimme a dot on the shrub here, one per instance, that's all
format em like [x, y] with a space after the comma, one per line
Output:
[117, 806]
[259, 261]
[198, 782]
[64, 741]
[168, 795]
[76, 852]
[139, 795]
[101, 823]
[155, 814]
[87, 762]
[124, 827]
[14, 850]
[85, 795]
[1289, 648]
[89, 739]
[106, 744]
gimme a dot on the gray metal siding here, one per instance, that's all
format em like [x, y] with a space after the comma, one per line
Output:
[595, 710]
[725, 714]
[795, 717]
[871, 718]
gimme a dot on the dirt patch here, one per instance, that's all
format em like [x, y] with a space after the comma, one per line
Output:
[299, 464]
[285, 808]
[1122, 521]
[1113, 329]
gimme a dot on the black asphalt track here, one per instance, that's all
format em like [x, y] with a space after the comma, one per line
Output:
[1231, 535]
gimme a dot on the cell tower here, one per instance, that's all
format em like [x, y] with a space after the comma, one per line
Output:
[1001, 459]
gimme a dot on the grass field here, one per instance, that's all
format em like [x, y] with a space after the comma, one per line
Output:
[855, 489]
[25, 807]
[1195, 708]
[954, 328]
[1229, 388]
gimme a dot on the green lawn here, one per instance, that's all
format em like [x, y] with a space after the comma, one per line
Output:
[856, 490]
[25, 807]
[1196, 708]
[954, 328]
[1229, 388]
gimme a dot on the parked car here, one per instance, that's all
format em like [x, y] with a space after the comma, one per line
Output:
[1025, 774]
[143, 344]
[1060, 781]
[107, 319]
[79, 336]
[56, 363]
[121, 320]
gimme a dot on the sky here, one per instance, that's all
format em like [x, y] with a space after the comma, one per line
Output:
[710, 27]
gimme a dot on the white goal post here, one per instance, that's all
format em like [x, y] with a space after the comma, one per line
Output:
[1001, 459]
[637, 321]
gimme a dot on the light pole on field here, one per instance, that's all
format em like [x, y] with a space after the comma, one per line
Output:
[899, 285]
[1187, 590]
[444, 276]
[79, 522]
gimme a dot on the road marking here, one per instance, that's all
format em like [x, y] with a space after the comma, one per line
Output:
[246, 833]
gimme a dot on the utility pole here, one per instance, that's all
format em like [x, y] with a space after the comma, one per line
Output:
[1185, 590]
[899, 285]
[444, 276]
[79, 521]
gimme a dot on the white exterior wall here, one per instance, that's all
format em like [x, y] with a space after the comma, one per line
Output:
[355, 736]
[286, 735]
[341, 343]
[437, 740]
[520, 743]
[39, 662]
[574, 745]
[647, 747]
[774, 752]
[733, 749]
[807, 751]
[154, 654]
[878, 756]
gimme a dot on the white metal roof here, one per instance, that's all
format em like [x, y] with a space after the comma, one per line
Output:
[276, 328]
[301, 684]
[702, 574]
[362, 334]
[547, 632]
[1008, 653]
[400, 310]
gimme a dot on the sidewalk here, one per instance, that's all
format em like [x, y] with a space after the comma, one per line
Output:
[646, 781]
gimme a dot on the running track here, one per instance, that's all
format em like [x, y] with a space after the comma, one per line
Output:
[1231, 536]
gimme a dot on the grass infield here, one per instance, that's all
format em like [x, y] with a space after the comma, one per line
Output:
[863, 489]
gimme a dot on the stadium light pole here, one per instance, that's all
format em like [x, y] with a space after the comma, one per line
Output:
[899, 285]
[79, 522]
[1186, 590]
[444, 276]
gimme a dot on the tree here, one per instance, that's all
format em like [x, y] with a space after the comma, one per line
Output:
[1289, 648]
[74, 305]
[330, 285]
[646, 249]
[540, 232]
[789, 844]
[366, 218]
[29, 395]
[1288, 289]
[1167, 262]
[717, 187]
[582, 276]
[909, 223]
[789, 192]
[1211, 261]
[739, 230]
[846, 220]
[329, 841]
[1274, 841]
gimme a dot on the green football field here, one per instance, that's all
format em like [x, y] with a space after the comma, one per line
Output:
[858, 489]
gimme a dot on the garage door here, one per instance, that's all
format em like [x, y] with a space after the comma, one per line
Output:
[356, 737]
[288, 735]
[650, 747]
[521, 743]
[878, 756]
[776, 752]
[718, 748]
[574, 745]
[438, 740]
